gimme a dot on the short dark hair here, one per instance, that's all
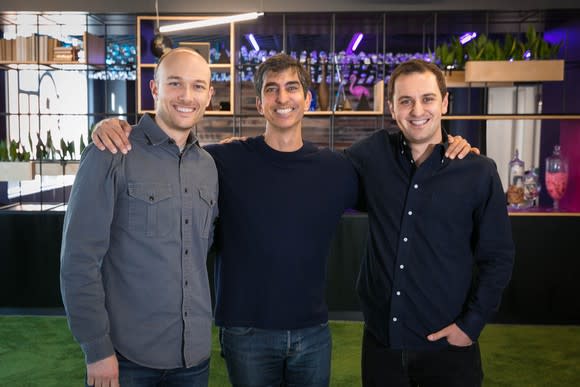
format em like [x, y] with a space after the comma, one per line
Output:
[416, 66]
[278, 63]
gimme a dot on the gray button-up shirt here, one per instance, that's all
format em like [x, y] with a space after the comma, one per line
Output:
[133, 258]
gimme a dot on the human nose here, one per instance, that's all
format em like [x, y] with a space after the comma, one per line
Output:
[418, 108]
[187, 94]
[282, 96]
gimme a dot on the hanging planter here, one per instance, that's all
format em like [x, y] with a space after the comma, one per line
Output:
[508, 61]
[514, 71]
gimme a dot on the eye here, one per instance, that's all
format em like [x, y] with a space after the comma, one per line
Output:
[174, 84]
[429, 99]
[293, 88]
[405, 102]
[269, 89]
[199, 87]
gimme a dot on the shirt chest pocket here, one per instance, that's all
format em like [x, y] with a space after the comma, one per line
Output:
[150, 209]
[205, 210]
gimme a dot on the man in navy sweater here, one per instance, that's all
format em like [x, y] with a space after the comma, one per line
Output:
[280, 199]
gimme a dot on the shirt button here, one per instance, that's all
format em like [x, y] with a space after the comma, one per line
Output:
[185, 190]
[186, 221]
[151, 198]
[416, 186]
[398, 293]
[394, 319]
[186, 283]
[410, 212]
[402, 152]
[185, 314]
[186, 251]
[402, 267]
[405, 239]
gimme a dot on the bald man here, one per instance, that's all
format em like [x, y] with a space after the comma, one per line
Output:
[135, 240]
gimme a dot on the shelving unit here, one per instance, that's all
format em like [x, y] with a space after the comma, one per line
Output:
[386, 35]
[223, 100]
[63, 95]
[40, 49]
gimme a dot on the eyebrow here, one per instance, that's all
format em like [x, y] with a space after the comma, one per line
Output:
[178, 78]
[423, 95]
[291, 83]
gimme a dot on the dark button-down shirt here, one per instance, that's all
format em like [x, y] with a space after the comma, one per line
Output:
[431, 228]
[135, 241]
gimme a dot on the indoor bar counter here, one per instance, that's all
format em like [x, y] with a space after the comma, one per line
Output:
[543, 289]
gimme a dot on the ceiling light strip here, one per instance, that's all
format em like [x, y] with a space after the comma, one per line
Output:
[210, 22]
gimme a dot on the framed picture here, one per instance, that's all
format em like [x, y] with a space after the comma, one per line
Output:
[201, 47]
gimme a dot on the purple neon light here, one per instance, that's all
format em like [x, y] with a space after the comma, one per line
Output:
[468, 36]
[252, 40]
[354, 42]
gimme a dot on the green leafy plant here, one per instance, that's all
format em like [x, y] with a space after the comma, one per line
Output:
[66, 148]
[4, 151]
[453, 55]
[82, 145]
[50, 149]
[17, 152]
[537, 46]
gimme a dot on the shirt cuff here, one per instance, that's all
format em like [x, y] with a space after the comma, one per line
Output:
[471, 324]
[98, 349]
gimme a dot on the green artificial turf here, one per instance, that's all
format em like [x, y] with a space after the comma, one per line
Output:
[39, 351]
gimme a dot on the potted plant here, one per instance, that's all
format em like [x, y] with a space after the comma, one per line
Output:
[15, 162]
[53, 162]
[452, 60]
[512, 60]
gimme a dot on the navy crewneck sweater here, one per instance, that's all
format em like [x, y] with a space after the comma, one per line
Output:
[278, 213]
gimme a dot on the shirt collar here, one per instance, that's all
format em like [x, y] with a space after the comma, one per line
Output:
[156, 136]
[405, 150]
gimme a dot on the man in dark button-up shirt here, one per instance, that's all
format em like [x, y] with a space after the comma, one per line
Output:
[136, 236]
[434, 222]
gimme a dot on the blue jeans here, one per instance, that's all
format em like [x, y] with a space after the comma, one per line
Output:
[260, 358]
[134, 375]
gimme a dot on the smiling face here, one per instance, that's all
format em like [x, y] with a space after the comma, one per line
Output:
[417, 105]
[181, 90]
[282, 100]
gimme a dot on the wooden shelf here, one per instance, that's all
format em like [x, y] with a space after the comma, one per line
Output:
[492, 117]
[544, 213]
[94, 52]
[207, 112]
[222, 66]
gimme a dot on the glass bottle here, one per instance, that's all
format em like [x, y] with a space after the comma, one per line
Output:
[515, 192]
[556, 176]
[531, 188]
